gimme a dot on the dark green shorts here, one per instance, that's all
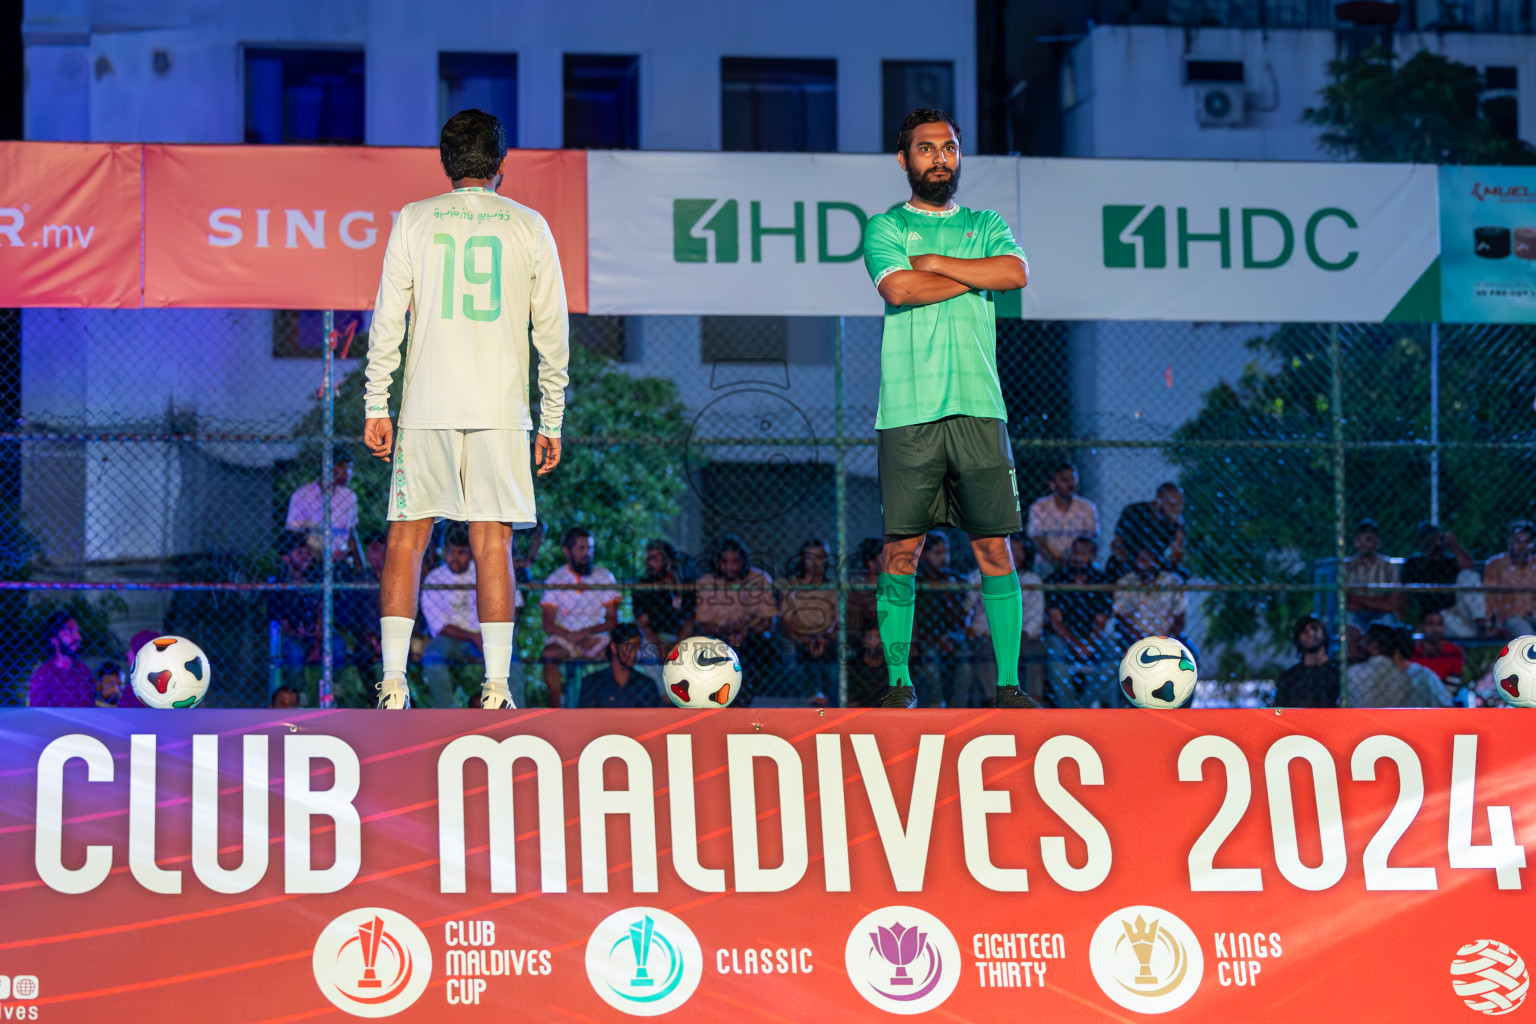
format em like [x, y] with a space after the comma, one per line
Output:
[957, 472]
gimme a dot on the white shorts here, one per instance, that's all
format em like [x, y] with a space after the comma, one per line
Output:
[467, 475]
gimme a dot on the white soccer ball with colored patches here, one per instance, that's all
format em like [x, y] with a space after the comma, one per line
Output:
[1514, 672]
[1158, 672]
[170, 672]
[702, 672]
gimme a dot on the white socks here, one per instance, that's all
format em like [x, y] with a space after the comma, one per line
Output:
[496, 639]
[395, 644]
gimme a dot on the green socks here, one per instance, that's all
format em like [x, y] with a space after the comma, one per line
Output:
[895, 599]
[1004, 602]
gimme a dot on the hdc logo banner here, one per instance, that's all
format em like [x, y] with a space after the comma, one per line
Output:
[840, 865]
[70, 230]
[751, 233]
[1180, 240]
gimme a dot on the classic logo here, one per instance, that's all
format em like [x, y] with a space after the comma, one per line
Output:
[1146, 959]
[903, 960]
[710, 230]
[372, 962]
[1137, 237]
[1490, 977]
[644, 961]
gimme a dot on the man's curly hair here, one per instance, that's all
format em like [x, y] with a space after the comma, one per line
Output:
[473, 145]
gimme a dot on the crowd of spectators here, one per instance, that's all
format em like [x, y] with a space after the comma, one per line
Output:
[1080, 613]
[1400, 633]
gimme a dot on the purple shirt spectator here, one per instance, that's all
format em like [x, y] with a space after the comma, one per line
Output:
[62, 680]
[72, 686]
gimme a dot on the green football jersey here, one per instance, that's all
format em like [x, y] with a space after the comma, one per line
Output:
[940, 359]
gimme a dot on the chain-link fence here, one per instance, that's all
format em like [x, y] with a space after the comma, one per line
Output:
[164, 472]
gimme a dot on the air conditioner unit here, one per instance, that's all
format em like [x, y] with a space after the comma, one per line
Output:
[1220, 105]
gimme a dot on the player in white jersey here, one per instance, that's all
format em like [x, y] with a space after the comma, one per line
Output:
[472, 269]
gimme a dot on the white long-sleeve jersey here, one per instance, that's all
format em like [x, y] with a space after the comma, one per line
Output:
[472, 269]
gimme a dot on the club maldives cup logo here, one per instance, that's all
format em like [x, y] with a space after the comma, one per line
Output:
[372, 962]
[903, 960]
[644, 961]
[1146, 959]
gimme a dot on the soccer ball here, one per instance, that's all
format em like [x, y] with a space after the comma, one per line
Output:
[170, 672]
[1514, 672]
[1158, 672]
[702, 672]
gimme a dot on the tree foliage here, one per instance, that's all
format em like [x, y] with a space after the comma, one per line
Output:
[620, 489]
[1427, 110]
[1264, 511]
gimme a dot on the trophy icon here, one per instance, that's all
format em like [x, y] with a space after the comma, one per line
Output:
[640, 941]
[899, 947]
[1142, 937]
[370, 935]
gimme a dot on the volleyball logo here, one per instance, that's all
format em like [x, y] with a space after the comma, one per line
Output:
[1489, 977]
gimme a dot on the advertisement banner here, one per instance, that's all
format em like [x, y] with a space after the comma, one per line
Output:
[788, 865]
[1488, 244]
[70, 229]
[1228, 241]
[752, 234]
[304, 227]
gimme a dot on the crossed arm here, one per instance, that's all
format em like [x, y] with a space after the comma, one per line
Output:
[934, 278]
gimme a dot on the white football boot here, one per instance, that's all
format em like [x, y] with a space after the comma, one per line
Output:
[497, 697]
[394, 695]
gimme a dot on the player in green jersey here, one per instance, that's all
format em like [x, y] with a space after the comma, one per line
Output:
[944, 456]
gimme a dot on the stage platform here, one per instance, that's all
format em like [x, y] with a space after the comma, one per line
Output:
[765, 864]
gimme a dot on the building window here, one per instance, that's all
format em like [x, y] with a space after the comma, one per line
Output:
[774, 105]
[602, 101]
[485, 81]
[744, 338]
[1501, 104]
[304, 96]
[908, 84]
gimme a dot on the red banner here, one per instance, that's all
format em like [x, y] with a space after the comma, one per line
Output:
[783, 865]
[70, 224]
[304, 227]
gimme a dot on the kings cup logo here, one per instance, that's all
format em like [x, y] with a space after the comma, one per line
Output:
[372, 962]
[1146, 959]
[644, 961]
[903, 960]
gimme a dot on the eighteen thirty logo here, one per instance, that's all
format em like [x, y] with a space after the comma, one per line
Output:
[1138, 237]
[903, 960]
[1146, 959]
[709, 230]
[372, 962]
[644, 961]
[1490, 977]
